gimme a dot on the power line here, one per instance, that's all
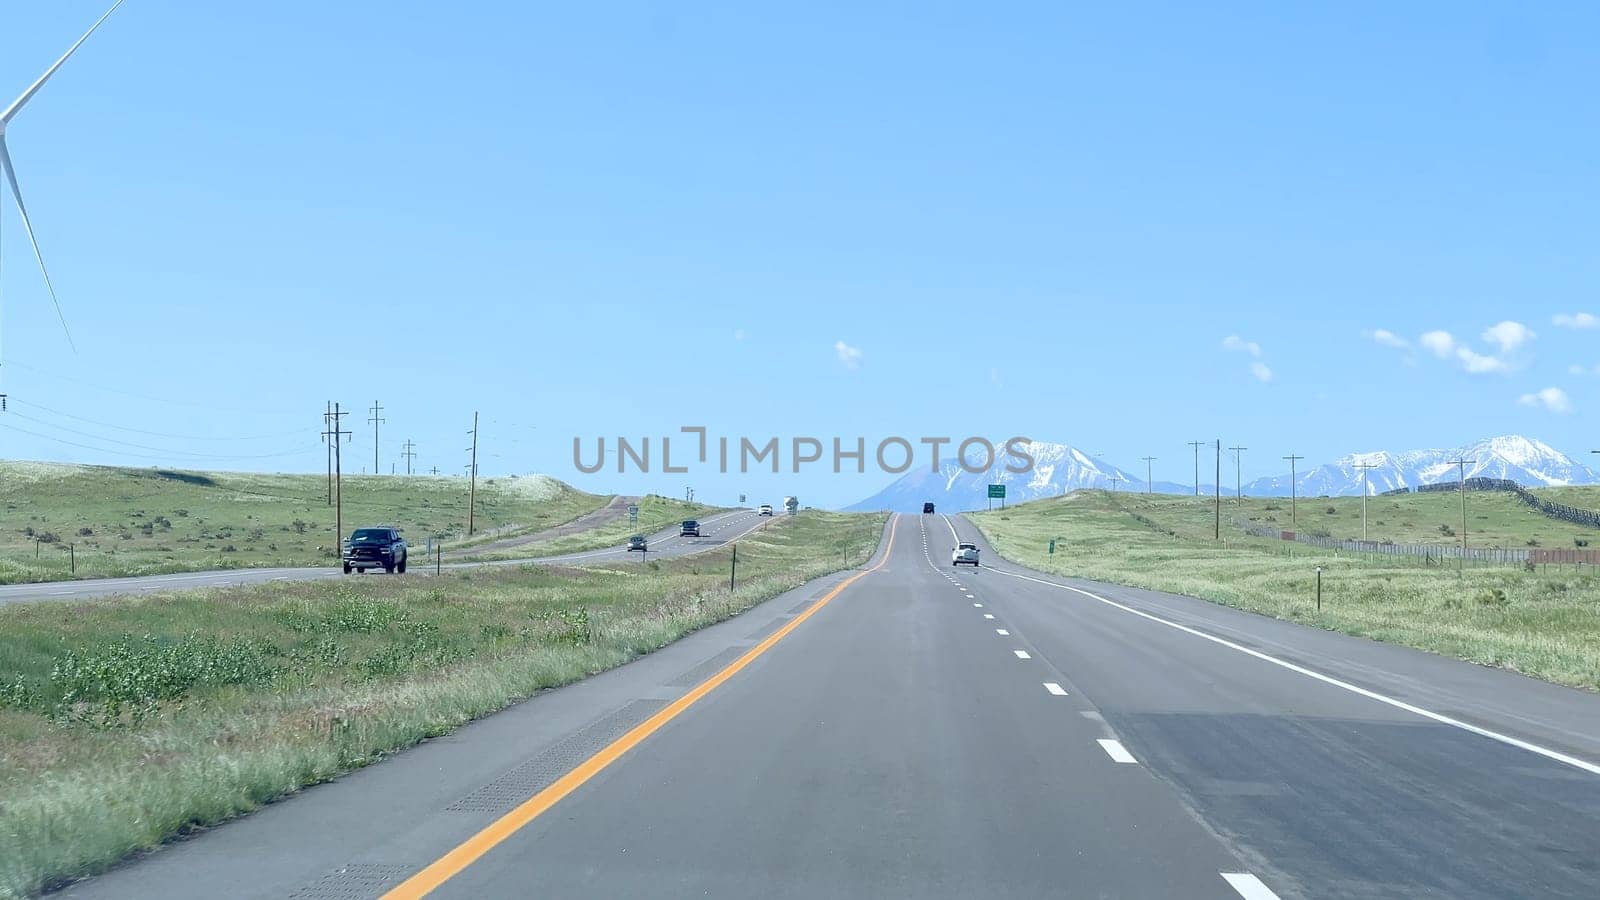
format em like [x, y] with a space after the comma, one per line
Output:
[410, 454]
[472, 473]
[1294, 499]
[166, 459]
[178, 437]
[1238, 469]
[374, 421]
[1366, 488]
[1463, 463]
[335, 431]
[111, 390]
[111, 440]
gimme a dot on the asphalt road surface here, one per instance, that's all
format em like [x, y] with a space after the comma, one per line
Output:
[715, 530]
[915, 730]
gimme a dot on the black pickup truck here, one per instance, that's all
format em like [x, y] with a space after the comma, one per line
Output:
[371, 548]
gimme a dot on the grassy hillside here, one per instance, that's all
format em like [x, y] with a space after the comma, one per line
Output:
[1494, 518]
[1583, 497]
[124, 521]
[222, 700]
[1545, 624]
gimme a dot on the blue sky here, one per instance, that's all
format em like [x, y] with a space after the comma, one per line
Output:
[611, 219]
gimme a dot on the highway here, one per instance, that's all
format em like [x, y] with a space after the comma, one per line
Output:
[913, 730]
[716, 530]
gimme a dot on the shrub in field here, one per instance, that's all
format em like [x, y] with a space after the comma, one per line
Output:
[85, 531]
[1447, 531]
[576, 627]
[1494, 597]
[128, 679]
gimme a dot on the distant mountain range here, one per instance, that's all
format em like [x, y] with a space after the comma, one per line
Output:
[1061, 468]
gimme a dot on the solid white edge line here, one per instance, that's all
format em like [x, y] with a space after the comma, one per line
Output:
[1054, 688]
[1022, 654]
[1116, 751]
[1507, 739]
[1248, 886]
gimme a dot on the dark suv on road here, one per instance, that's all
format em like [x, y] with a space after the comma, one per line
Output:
[690, 528]
[371, 548]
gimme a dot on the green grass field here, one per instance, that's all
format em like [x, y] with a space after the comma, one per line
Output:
[1494, 518]
[126, 721]
[123, 521]
[1545, 624]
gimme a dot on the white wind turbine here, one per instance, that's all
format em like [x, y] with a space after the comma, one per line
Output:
[11, 172]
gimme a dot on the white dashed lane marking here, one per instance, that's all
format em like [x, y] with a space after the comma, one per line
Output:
[1054, 688]
[1002, 631]
[1023, 654]
[1248, 886]
[1116, 751]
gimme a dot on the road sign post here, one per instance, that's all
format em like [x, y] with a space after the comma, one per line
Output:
[997, 491]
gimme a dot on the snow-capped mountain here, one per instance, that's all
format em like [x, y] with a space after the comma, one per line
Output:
[1060, 469]
[1057, 469]
[1523, 460]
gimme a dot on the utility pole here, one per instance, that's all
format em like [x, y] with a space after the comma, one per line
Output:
[1238, 467]
[1463, 463]
[410, 454]
[1114, 478]
[327, 415]
[434, 471]
[472, 475]
[1216, 531]
[1147, 461]
[1294, 499]
[1366, 488]
[1196, 445]
[332, 434]
[374, 420]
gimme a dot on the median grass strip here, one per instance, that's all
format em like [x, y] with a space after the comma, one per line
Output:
[1543, 623]
[128, 521]
[126, 721]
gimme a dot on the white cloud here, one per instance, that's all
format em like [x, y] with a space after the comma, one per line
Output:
[1440, 342]
[1576, 369]
[1260, 371]
[1509, 335]
[849, 356]
[1388, 338]
[1553, 399]
[738, 334]
[1575, 320]
[1236, 343]
[1478, 364]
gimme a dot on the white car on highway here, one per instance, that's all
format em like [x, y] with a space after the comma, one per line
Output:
[964, 554]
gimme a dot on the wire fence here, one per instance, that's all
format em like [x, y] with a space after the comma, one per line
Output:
[1425, 553]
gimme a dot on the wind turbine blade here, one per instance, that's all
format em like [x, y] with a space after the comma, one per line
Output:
[27, 95]
[11, 176]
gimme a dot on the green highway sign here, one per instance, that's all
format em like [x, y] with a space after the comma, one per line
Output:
[997, 491]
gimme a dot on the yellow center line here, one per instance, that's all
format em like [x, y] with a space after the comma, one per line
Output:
[469, 851]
